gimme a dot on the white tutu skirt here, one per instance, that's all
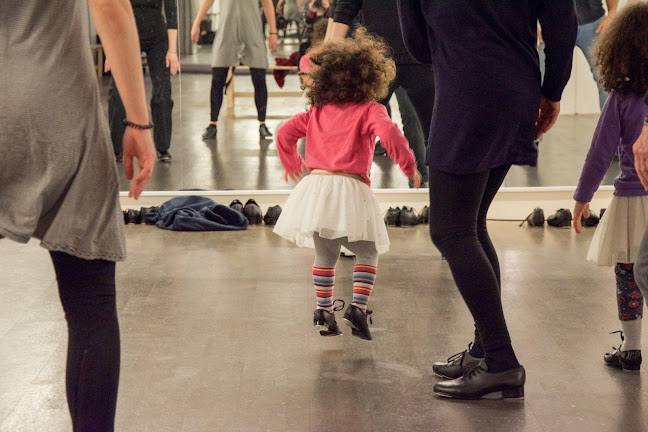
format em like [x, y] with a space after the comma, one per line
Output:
[620, 231]
[334, 206]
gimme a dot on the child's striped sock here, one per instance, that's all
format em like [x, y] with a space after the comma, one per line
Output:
[323, 280]
[364, 276]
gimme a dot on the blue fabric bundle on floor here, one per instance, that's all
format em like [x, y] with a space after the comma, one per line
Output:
[196, 213]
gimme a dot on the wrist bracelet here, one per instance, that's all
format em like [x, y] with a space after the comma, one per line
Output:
[273, 33]
[138, 126]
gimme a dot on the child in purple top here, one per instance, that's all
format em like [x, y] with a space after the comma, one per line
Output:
[621, 63]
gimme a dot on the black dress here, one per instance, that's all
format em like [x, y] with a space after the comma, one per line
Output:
[487, 77]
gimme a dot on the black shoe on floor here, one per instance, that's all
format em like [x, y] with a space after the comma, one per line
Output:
[210, 132]
[264, 132]
[357, 320]
[252, 212]
[164, 156]
[407, 217]
[237, 205]
[392, 216]
[424, 216]
[325, 322]
[145, 211]
[590, 221]
[477, 382]
[629, 361]
[561, 219]
[535, 219]
[272, 215]
[456, 366]
[119, 157]
[134, 216]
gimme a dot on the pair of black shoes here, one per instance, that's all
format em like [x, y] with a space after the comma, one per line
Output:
[252, 212]
[468, 378]
[561, 219]
[212, 130]
[405, 217]
[628, 361]
[132, 216]
[325, 322]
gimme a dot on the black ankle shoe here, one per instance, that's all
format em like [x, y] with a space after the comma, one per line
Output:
[561, 219]
[590, 221]
[535, 219]
[424, 216]
[358, 322]
[392, 216]
[264, 132]
[324, 321]
[237, 205]
[478, 382]
[407, 217]
[629, 361]
[164, 156]
[272, 215]
[456, 366]
[134, 216]
[210, 132]
[252, 212]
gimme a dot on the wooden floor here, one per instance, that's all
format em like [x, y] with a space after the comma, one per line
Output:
[217, 336]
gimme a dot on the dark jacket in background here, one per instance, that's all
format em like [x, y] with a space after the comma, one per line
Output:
[196, 213]
[485, 63]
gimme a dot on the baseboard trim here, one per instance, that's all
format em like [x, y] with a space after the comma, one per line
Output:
[509, 204]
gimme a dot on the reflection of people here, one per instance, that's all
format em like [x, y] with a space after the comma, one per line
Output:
[334, 205]
[159, 41]
[481, 125]
[239, 41]
[57, 162]
[621, 63]
[593, 21]
[381, 18]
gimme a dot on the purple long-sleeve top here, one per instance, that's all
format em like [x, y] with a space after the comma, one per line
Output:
[618, 128]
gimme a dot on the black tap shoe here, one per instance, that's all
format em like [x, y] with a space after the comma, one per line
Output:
[252, 212]
[456, 365]
[272, 215]
[237, 205]
[357, 320]
[407, 217]
[477, 382]
[561, 219]
[392, 216]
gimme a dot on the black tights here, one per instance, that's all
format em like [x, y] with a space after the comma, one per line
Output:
[458, 206]
[219, 76]
[87, 292]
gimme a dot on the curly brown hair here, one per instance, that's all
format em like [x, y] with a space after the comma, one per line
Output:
[622, 51]
[354, 70]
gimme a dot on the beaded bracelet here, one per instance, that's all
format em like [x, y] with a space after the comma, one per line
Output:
[138, 126]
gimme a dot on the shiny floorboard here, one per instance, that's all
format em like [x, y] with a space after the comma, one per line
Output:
[217, 336]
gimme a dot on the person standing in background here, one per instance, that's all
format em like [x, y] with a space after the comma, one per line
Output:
[159, 40]
[592, 21]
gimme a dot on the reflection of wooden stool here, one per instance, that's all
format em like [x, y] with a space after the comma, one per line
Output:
[231, 94]
[98, 49]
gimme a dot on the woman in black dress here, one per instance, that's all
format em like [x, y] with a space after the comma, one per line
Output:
[489, 106]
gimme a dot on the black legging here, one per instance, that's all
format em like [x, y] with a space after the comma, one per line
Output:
[458, 208]
[87, 292]
[219, 76]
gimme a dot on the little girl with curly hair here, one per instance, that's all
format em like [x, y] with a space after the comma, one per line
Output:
[622, 59]
[333, 205]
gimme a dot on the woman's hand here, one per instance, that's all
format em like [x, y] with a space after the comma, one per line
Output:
[138, 144]
[547, 116]
[295, 176]
[580, 210]
[172, 62]
[417, 179]
[272, 43]
[195, 32]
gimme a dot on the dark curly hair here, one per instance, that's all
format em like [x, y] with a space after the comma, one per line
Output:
[622, 51]
[355, 70]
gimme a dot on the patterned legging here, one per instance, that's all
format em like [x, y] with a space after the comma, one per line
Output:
[629, 297]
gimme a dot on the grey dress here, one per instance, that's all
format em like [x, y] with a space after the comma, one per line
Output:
[239, 38]
[58, 177]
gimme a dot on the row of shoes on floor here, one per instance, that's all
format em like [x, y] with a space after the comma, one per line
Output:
[561, 219]
[406, 216]
[212, 131]
[250, 210]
